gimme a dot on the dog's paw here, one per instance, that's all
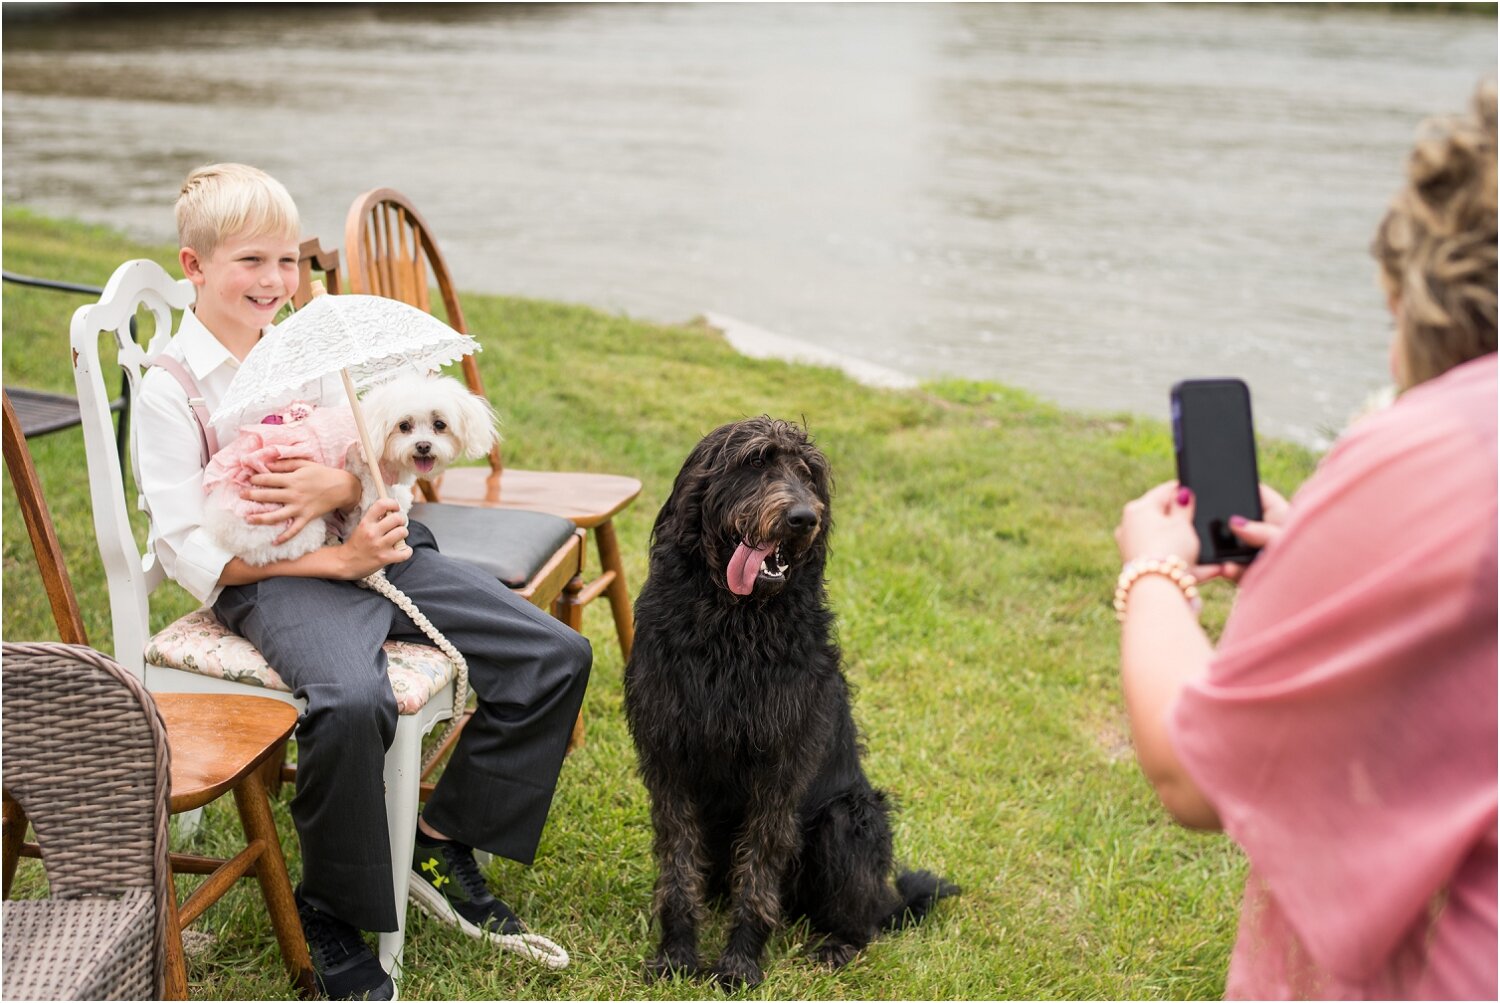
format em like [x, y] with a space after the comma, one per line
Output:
[663, 967]
[734, 974]
[835, 953]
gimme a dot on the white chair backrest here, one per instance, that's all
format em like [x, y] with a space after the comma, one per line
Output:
[131, 574]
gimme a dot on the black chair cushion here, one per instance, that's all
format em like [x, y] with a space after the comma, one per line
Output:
[511, 544]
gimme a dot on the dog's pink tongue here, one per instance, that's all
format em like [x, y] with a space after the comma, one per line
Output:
[744, 566]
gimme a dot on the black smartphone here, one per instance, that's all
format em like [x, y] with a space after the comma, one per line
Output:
[1215, 443]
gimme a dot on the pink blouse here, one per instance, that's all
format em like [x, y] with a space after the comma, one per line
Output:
[1346, 731]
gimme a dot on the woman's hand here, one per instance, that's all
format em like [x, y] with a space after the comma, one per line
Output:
[1159, 524]
[1256, 534]
[376, 541]
[1162, 647]
[304, 490]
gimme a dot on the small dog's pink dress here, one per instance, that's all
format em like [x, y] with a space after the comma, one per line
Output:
[298, 432]
[1346, 731]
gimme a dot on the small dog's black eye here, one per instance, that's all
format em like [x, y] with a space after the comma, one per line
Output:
[405, 427]
[758, 461]
[440, 425]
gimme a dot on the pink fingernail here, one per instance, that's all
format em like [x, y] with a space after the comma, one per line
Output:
[1237, 521]
[1184, 496]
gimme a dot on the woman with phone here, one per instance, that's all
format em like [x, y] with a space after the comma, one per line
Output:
[1343, 731]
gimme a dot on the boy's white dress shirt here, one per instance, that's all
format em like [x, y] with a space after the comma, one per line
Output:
[169, 456]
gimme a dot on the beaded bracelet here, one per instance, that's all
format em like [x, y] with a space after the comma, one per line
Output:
[1174, 568]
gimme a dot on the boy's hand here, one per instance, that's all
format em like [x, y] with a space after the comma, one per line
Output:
[304, 490]
[376, 541]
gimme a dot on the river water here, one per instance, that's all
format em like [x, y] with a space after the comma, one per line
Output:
[1089, 202]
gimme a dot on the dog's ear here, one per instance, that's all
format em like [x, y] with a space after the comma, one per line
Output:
[474, 422]
[381, 406]
[681, 517]
[821, 471]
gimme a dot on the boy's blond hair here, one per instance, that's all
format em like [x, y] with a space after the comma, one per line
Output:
[220, 200]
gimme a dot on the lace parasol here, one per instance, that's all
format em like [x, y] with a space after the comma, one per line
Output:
[370, 338]
[365, 339]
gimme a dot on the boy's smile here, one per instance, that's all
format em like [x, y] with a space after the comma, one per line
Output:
[242, 284]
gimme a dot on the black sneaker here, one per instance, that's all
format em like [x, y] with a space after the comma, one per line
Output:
[446, 884]
[346, 967]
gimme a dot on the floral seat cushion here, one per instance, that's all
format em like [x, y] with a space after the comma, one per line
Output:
[200, 643]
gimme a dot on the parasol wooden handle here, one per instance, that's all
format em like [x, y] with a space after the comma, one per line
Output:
[364, 435]
[317, 289]
[371, 457]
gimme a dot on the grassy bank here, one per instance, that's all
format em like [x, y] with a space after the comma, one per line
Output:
[972, 568]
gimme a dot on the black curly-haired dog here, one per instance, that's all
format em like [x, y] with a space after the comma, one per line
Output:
[741, 716]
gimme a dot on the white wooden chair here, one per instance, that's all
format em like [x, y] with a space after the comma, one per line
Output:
[196, 654]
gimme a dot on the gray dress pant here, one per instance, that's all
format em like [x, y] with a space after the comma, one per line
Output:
[527, 670]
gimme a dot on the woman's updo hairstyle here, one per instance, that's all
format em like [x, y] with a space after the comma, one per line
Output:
[1436, 245]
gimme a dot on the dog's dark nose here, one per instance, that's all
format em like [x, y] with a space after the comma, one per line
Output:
[423, 448]
[802, 518]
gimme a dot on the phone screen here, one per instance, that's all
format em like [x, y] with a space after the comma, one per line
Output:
[1215, 442]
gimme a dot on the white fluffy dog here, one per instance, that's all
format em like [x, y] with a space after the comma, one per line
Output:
[419, 424]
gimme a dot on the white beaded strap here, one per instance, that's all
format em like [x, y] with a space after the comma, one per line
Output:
[533, 947]
[379, 583]
[1173, 568]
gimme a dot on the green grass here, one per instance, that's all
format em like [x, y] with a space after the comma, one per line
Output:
[972, 568]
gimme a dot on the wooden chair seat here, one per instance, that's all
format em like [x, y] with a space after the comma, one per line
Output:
[217, 739]
[587, 499]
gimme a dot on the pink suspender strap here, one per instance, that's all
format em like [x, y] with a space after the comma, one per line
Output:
[195, 402]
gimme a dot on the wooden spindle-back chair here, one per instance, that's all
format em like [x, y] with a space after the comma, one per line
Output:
[389, 250]
[548, 572]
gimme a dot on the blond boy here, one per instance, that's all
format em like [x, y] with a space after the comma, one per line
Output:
[238, 230]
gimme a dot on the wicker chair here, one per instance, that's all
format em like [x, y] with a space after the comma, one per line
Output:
[86, 756]
[221, 743]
